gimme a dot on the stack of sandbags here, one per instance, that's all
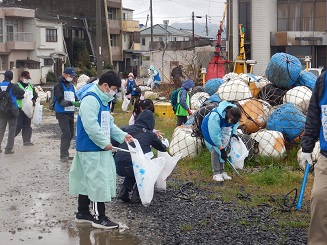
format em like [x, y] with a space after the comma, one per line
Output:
[212, 85]
[300, 97]
[197, 100]
[234, 90]
[270, 143]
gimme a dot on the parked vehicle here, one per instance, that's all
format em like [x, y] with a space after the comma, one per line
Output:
[316, 71]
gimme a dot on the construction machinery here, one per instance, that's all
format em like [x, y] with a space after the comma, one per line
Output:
[217, 65]
[241, 64]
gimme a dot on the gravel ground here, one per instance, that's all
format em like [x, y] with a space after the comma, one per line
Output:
[187, 213]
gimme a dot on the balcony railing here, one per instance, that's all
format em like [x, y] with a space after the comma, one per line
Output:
[20, 37]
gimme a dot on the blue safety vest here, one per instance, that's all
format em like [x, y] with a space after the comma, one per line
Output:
[59, 108]
[4, 86]
[323, 118]
[205, 128]
[83, 141]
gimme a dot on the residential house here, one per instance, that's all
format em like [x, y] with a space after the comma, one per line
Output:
[178, 50]
[295, 27]
[80, 21]
[158, 34]
[132, 53]
[27, 43]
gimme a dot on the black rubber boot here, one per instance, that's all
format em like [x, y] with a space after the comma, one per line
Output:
[124, 194]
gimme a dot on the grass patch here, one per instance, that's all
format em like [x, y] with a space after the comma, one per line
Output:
[265, 180]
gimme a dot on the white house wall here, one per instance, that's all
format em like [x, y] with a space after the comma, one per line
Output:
[45, 49]
[264, 21]
[184, 57]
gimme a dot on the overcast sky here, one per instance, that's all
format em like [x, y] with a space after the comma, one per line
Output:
[177, 11]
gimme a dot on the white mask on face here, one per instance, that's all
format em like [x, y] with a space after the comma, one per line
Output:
[69, 79]
[112, 93]
[26, 81]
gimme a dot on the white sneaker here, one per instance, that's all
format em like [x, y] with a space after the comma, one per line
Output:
[218, 177]
[225, 176]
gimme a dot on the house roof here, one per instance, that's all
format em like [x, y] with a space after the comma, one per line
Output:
[159, 30]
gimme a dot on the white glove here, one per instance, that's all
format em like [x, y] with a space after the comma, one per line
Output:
[306, 158]
[165, 142]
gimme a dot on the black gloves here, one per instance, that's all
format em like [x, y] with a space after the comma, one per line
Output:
[235, 136]
[223, 154]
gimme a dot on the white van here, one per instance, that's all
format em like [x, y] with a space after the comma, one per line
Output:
[316, 71]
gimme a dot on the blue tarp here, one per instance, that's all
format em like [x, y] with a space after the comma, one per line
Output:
[212, 85]
[288, 120]
[283, 70]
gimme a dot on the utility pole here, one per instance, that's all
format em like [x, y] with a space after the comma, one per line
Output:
[151, 21]
[193, 27]
[207, 32]
[163, 53]
[98, 37]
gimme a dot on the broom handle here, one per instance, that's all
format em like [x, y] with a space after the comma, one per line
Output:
[304, 183]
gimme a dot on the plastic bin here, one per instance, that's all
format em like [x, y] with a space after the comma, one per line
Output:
[164, 109]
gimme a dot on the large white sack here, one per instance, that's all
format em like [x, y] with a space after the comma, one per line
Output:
[183, 143]
[270, 143]
[300, 97]
[197, 99]
[234, 90]
[231, 77]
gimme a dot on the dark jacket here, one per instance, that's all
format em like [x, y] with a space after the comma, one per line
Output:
[142, 131]
[59, 92]
[313, 121]
[19, 94]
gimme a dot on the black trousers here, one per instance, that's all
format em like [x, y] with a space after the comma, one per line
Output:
[24, 125]
[66, 124]
[84, 202]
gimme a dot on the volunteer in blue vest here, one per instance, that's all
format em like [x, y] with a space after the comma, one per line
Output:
[23, 121]
[315, 129]
[132, 89]
[183, 102]
[15, 93]
[217, 128]
[65, 102]
[93, 172]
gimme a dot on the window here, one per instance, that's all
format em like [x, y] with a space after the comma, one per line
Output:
[160, 39]
[125, 16]
[143, 41]
[48, 62]
[51, 35]
[1, 30]
[114, 40]
[12, 27]
[112, 14]
[305, 15]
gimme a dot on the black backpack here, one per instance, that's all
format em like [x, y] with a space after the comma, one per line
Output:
[7, 108]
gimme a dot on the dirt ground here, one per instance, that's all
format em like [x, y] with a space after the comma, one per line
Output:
[35, 205]
[37, 209]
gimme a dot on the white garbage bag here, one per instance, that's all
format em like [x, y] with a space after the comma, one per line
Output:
[146, 172]
[168, 168]
[27, 106]
[125, 104]
[238, 152]
[37, 116]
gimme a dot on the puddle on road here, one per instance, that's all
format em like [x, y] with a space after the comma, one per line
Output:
[81, 234]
